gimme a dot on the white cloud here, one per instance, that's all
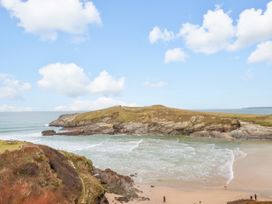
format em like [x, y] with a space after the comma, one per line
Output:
[263, 53]
[66, 79]
[157, 34]
[218, 32]
[83, 105]
[46, 18]
[158, 84]
[71, 80]
[104, 83]
[11, 88]
[9, 108]
[174, 55]
[212, 36]
[254, 26]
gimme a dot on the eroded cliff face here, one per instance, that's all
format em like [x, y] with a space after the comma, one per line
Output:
[161, 120]
[38, 174]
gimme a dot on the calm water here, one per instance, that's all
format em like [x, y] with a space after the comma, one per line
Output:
[260, 111]
[154, 159]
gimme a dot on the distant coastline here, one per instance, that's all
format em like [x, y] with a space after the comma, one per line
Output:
[257, 108]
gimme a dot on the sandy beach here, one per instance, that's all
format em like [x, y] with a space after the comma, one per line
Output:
[252, 174]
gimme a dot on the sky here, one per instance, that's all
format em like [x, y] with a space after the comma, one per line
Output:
[85, 55]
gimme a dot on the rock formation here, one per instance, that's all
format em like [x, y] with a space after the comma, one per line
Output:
[118, 184]
[160, 120]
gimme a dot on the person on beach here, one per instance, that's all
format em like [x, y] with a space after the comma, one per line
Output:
[164, 199]
[255, 196]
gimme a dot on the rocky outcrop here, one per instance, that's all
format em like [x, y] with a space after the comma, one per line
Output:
[38, 174]
[161, 120]
[118, 184]
[48, 132]
[252, 131]
[236, 130]
[65, 120]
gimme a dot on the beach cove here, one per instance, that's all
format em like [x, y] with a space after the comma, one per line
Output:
[248, 180]
[194, 169]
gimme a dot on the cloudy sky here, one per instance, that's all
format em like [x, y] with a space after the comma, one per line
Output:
[84, 55]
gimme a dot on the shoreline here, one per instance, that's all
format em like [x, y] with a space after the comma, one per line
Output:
[180, 195]
[252, 175]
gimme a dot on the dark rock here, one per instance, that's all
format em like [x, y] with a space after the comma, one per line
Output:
[48, 132]
[133, 175]
[118, 184]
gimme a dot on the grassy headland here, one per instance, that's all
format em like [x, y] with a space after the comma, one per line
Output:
[154, 113]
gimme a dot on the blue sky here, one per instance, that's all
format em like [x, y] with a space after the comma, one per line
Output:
[115, 52]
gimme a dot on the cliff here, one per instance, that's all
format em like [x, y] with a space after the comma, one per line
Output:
[38, 174]
[161, 120]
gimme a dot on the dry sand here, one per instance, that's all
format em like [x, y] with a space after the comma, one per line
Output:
[253, 174]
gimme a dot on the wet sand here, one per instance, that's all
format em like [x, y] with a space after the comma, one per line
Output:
[252, 174]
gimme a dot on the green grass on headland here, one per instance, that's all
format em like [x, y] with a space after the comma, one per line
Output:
[264, 120]
[157, 113]
[10, 145]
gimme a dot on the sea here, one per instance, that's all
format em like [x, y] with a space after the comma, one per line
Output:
[151, 159]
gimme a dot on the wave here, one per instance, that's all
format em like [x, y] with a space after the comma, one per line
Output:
[136, 145]
[235, 155]
[27, 136]
[91, 146]
[230, 165]
[239, 154]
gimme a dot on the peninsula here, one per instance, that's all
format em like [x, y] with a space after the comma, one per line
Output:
[161, 120]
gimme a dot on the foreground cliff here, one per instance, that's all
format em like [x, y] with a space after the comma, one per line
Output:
[38, 174]
[161, 120]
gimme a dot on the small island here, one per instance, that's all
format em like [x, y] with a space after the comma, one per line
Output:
[161, 120]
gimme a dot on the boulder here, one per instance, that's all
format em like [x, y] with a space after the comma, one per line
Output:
[48, 132]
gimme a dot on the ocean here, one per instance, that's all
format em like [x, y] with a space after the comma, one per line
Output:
[154, 159]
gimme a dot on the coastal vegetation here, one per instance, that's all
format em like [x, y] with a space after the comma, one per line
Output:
[154, 113]
[10, 145]
[161, 120]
